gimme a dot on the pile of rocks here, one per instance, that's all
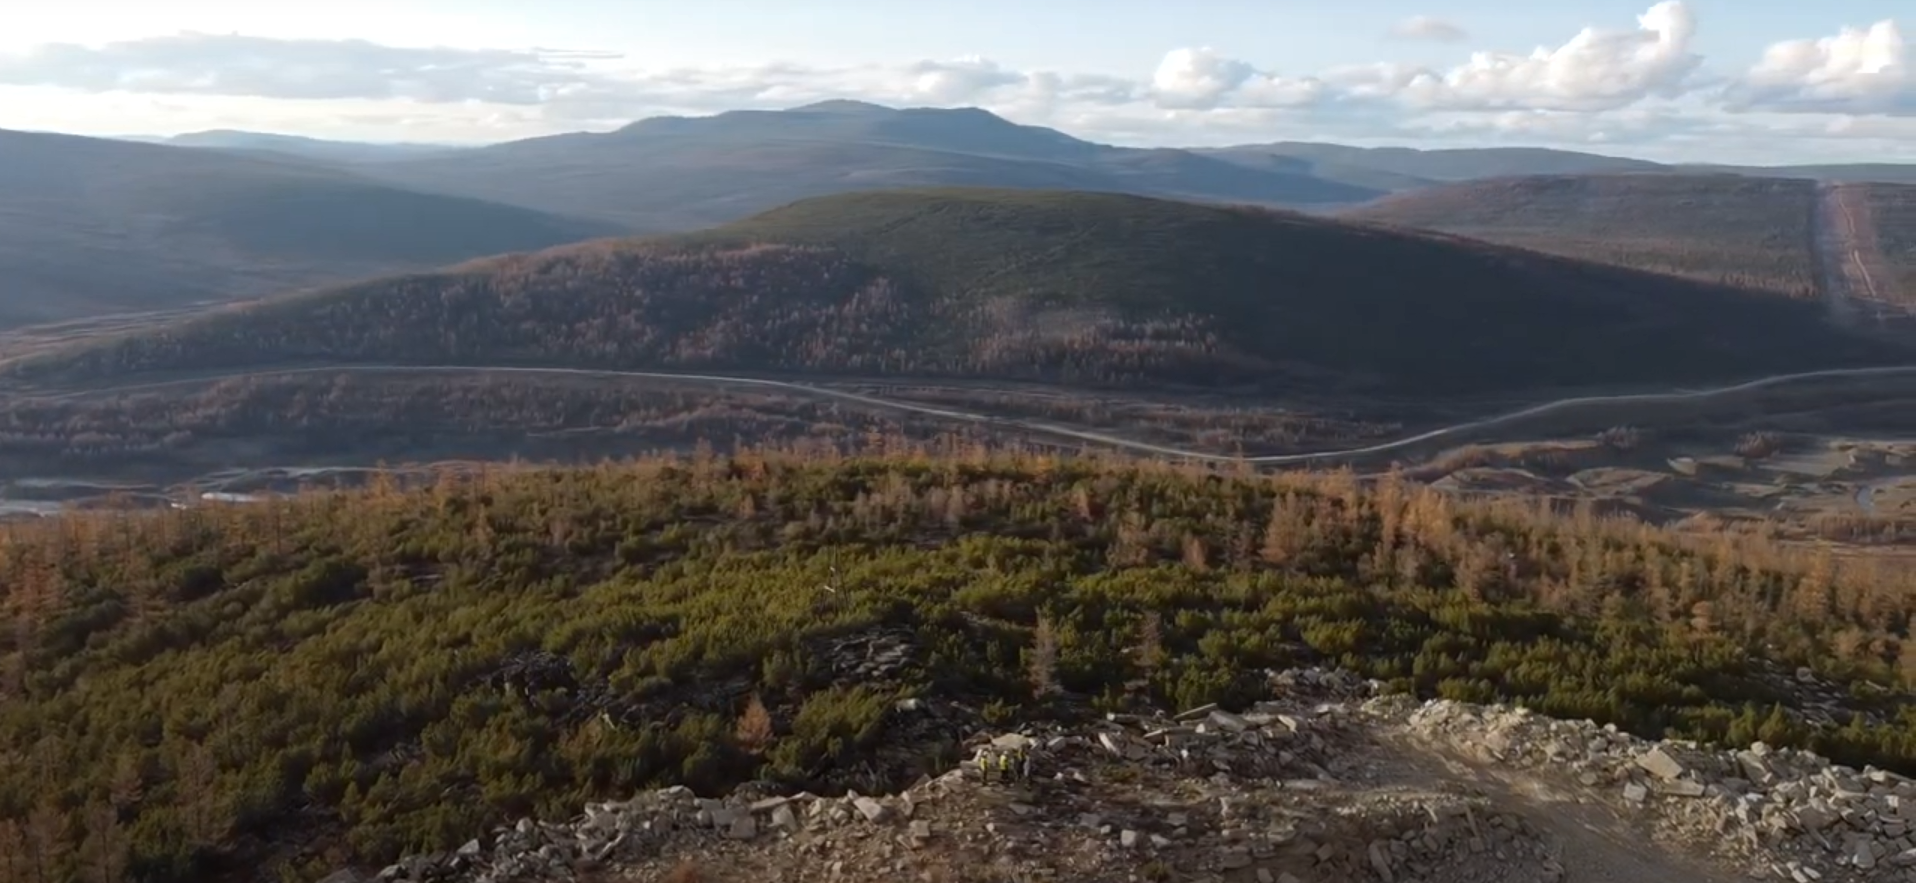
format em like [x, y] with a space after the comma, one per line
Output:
[1321, 684]
[1313, 786]
[1302, 734]
[612, 832]
[1814, 699]
[1269, 795]
[1791, 814]
[1266, 742]
[878, 653]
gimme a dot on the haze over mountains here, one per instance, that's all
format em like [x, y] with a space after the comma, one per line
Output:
[290, 686]
[681, 172]
[671, 173]
[89, 226]
[677, 173]
[296, 145]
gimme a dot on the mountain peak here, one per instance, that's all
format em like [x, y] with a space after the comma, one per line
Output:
[961, 129]
[844, 105]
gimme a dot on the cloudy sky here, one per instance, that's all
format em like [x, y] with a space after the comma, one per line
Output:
[1730, 80]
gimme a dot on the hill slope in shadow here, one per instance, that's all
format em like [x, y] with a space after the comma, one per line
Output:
[1031, 285]
[1752, 232]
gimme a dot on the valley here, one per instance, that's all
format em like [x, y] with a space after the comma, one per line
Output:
[1824, 456]
[934, 315]
[1291, 511]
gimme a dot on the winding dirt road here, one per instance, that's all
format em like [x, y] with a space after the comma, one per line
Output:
[1055, 429]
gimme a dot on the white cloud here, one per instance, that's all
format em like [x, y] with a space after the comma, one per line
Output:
[1610, 84]
[231, 64]
[1860, 70]
[949, 82]
[1202, 79]
[1424, 27]
[1595, 70]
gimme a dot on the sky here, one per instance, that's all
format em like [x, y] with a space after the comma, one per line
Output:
[1749, 81]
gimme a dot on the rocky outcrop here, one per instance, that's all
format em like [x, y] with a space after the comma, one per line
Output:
[1790, 814]
[1323, 782]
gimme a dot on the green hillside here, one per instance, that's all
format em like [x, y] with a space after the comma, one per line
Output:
[271, 691]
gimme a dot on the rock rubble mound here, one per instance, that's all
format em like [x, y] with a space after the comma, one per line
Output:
[1323, 782]
[1786, 814]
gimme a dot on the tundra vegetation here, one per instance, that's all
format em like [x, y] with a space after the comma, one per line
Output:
[312, 680]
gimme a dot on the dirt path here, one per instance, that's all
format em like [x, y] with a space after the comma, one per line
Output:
[1460, 433]
[1847, 255]
[1594, 843]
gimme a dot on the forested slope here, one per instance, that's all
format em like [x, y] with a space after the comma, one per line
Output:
[1745, 231]
[1892, 219]
[293, 685]
[1023, 285]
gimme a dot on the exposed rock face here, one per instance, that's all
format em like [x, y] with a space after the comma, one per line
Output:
[1790, 813]
[1320, 784]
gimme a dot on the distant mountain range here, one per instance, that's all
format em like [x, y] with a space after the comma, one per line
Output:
[322, 149]
[91, 225]
[673, 173]
[677, 173]
[668, 173]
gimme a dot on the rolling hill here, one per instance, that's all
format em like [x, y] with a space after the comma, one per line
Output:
[1857, 173]
[1892, 213]
[678, 173]
[323, 149]
[91, 226]
[1009, 284]
[1408, 168]
[1752, 232]
[670, 174]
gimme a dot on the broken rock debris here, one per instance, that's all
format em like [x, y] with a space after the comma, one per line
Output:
[1312, 786]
